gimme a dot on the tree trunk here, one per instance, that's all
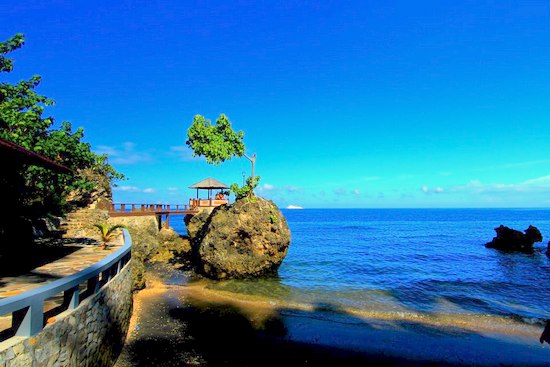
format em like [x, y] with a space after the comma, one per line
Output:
[253, 161]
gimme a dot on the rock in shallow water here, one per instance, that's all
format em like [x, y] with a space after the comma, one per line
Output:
[511, 240]
[247, 239]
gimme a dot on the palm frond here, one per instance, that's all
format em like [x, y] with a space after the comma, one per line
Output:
[114, 228]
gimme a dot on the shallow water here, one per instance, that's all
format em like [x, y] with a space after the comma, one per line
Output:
[413, 261]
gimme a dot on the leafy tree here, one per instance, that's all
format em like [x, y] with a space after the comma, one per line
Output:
[22, 122]
[218, 143]
[246, 190]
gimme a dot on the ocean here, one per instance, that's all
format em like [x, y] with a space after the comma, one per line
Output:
[416, 262]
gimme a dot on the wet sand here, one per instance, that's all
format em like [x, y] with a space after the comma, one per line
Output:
[191, 325]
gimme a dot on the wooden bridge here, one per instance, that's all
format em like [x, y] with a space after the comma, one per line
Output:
[133, 210]
[160, 210]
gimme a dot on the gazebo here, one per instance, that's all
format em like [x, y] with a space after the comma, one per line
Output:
[208, 184]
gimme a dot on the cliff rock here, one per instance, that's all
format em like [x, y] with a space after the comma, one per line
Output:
[149, 244]
[247, 239]
[194, 223]
[173, 249]
[511, 240]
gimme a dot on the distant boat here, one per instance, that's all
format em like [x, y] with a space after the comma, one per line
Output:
[294, 207]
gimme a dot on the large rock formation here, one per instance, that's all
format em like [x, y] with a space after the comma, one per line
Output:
[194, 223]
[511, 240]
[150, 244]
[247, 239]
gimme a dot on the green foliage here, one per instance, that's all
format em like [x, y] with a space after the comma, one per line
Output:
[272, 216]
[22, 122]
[247, 190]
[217, 143]
[6, 47]
[107, 233]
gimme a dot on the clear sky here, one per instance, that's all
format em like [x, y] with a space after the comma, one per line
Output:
[347, 104]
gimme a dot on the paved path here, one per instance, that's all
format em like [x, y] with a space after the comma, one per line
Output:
[83, 257]
[79, 257]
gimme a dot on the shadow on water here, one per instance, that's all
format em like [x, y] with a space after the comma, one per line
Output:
[221, 335]
[190, 332]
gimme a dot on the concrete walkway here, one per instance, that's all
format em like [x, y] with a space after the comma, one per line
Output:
[83, 257]
[79, 257]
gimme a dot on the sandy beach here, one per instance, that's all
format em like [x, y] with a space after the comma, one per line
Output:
[191, 325]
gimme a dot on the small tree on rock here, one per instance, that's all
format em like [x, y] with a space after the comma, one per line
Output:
[218, 143]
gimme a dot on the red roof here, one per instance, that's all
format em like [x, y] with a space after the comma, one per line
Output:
[25, 156]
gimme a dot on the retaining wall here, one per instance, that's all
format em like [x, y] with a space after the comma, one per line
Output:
[90, 335]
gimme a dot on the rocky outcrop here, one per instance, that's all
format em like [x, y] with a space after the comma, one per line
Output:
[150, 244]
[100, 194]
[173, 249]
[511, 240]
[548, 251]
[194, 223]
[247, 239]
[545, 336]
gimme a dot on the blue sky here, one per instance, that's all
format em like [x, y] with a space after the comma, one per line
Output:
[347, 104]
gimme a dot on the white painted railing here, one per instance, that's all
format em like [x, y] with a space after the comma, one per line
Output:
[27, 308]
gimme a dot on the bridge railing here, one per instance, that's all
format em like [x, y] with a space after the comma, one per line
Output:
[132, 208]
[27, 309]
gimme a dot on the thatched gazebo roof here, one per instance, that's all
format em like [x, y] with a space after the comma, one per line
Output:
[209, 184]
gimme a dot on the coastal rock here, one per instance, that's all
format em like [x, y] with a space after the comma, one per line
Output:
[548, 251]
[173, 249]
[545, 336]
[194, 224]
[512, 240]
[247, 239]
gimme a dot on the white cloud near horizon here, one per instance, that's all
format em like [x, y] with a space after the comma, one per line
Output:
[182, 152]
[148, 190]
[267, 189]
[436, 190]
[290, 188]
[539, 184]
[526, 164]
[340, 191]
[371, 178]
[125, 154]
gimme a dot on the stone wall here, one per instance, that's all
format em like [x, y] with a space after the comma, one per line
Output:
[90, 335]
[145, 242]
[80, 223]
[150, 244]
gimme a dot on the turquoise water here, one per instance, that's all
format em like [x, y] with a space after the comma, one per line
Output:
[409, 260]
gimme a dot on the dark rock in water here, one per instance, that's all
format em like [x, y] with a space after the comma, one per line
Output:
[548, 253]
[247, 239]
[545, 337]
[511, 240]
